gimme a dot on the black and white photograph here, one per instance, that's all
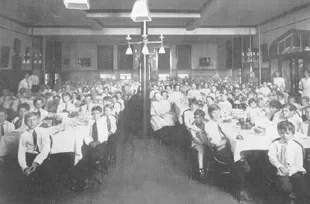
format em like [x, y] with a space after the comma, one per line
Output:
[154, 101]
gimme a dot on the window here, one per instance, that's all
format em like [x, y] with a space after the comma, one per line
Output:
[125, 62]
[164, 60]
[184, 55]
[125, 76]
[105, 57]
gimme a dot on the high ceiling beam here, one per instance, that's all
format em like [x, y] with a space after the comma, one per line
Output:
[137, 31]
[153, 15]
[209, 8]
[95, 24]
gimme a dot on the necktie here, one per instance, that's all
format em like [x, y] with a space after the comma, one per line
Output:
[39, 113]
[2, 129]
[35, 141]
[18, 123]
[283, 155]
[109, 124]
[95, 132]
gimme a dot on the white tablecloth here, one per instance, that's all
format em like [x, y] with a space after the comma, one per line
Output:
[252, 141]
[68, 140]
[180, 108]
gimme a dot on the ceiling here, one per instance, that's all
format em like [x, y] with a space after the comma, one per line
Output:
[214, 13]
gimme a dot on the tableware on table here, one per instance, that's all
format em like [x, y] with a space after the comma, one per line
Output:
[239, 137]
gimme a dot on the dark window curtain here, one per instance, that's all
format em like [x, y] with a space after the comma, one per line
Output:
[105, 57]
[164, 60]
[184, 56]
[125, 62]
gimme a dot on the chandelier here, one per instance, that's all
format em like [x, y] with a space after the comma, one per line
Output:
[145, 42]
[141, 13]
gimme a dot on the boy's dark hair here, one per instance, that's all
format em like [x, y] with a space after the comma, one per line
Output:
[96, 108]
[275, 104]
[286, 126]
[66, 94]
[192, 101]
[108, 106]
[212, 108]
[37, 99]
[251, 100]
[31, 114]
[200, 113]
[24, 106]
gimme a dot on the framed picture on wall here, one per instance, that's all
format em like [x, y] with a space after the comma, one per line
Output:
[205, 61]
[4, 57]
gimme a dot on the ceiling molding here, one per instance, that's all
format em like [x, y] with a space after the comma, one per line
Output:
[153, 15]
[137, 31]
[96, 24]
[209, 8]
[286, 13]
[15, 21]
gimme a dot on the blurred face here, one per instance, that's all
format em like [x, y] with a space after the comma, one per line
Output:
[96, 114]
[177, 88]
[164, 95]
[216, 115]
[306, 74]
[209, 101]
[194, 107]
[32, 121]
[66, 98]
[286, 112]
[114, 100]
[213, 89]
[21, 112]
[291, 100]
[277, 74]
[286, 135]
[88, 99]
[3, 117]
[224, 98]
[253, 105]
[107, 111]
[304, 102]
[157, 97]
[168, 88]
[27, 76]
[198, 119]
[206, 86]
[194, 86]
[38, 105]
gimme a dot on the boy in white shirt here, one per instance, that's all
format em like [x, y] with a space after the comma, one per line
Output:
[287, 156]
[95, 147]
[5, 126]
[19, 121]
[34, 148]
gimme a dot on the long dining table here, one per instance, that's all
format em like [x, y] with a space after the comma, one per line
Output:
[66, 138]
[250, 141]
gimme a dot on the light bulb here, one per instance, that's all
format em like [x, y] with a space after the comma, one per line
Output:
[129, 51]
[145, 50]
[162, 50]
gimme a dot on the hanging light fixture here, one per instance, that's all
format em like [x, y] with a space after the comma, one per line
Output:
[162, 50]
[77, 4]
[145, 50]
[140, 11]
[129, 50]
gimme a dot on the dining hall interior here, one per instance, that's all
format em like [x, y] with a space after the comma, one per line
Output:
[152, 101]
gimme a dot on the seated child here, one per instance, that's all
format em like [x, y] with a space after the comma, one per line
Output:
[5, 126]
[199, 138]
[287, 156]
[19, 121]
[93, 149]
[34, 148]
